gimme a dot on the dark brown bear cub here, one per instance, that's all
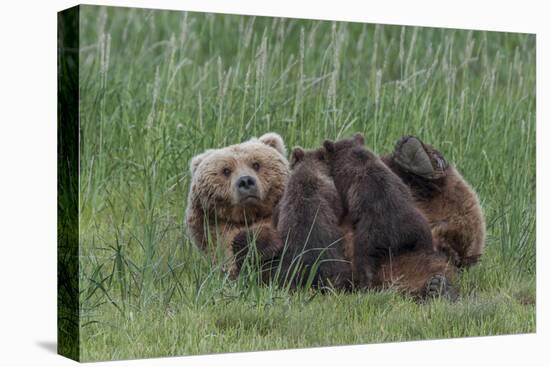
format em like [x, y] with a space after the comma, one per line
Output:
[379, 206]
[308, 223]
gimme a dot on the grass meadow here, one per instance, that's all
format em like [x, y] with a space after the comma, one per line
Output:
[157, 87]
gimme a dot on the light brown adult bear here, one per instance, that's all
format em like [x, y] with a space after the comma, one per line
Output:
[231, 199]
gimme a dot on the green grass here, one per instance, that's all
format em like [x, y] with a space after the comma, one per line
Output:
[158, 87]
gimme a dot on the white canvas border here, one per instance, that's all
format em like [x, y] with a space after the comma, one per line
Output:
[28, 184]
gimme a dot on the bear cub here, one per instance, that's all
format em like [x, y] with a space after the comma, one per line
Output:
[379, 206]
[308, 220]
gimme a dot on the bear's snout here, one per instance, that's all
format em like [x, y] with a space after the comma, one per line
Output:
[247, 188]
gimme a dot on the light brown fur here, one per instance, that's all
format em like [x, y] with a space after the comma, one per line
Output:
[214, 214]
[456, 219]
[449, 203]
[410, 273]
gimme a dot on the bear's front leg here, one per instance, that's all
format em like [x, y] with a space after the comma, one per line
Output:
[261, 244]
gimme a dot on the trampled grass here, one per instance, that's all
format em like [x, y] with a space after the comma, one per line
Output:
[158, 87]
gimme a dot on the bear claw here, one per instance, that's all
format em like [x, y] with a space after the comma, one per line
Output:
[439, 287]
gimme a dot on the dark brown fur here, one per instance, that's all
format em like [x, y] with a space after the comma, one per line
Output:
[379, 206]
[308, 221]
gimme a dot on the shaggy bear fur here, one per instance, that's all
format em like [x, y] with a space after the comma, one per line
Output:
[220, 222]
[232, 195]
[419, 274]
[380, 207]
[444, 197]
[310, 212]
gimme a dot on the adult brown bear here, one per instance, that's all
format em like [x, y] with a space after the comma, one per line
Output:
[231, 199]
[444, 197]
[233, 195]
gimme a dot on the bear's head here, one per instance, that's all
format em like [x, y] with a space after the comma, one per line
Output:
[347, 151]
[333, 148]
[240, 183]
[314, 159]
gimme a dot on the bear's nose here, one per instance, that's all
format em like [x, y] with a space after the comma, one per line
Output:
[246, 185]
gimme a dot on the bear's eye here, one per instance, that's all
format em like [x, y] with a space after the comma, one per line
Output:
[226, 172]
[256, 166]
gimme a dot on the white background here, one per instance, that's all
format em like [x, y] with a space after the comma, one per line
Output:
[28, 181]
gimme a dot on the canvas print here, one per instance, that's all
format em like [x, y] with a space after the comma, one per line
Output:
[232, 183]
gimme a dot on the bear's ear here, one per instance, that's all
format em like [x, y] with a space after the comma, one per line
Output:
[329, 146]
[297, 155]
[274, 140]
[358, 138]
[196, 160]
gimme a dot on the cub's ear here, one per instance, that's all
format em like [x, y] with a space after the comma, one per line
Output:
[297, 155]
[358, 138]
[329, 146]
[274, 140]
[196, 161]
